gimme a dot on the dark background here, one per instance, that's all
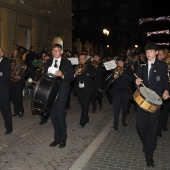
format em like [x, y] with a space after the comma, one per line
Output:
[133, 32]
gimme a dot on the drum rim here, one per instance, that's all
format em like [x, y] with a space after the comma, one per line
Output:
[148, 110]
[148, 100]
[158, 106]
[33, 96]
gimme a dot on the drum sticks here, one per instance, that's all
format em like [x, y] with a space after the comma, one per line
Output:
[143, 84]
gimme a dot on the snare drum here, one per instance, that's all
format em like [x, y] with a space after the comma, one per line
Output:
[146, 101]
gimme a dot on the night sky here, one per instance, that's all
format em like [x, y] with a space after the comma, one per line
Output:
[160, 8]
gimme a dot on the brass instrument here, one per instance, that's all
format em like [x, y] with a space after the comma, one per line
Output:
[82, 67]
[17, 66]
[129, 61]
[119, 70]
[109, 80]
[95, 63]
[57, 40]
[67, 54]
[39, 72]
[167, 60]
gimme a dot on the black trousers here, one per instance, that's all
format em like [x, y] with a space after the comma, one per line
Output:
[163, 120]
[84, 100]
[96, 97]
[44, 118]
[147, 126]
[120, 101]
[17, 96]
[58, 116]
[5, 108]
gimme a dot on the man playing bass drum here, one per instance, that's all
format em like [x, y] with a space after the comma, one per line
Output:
[154, 76]
[58, 111]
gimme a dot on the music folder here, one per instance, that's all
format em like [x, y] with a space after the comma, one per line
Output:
[37, 63]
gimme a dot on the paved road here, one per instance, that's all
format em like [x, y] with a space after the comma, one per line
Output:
[27, 148]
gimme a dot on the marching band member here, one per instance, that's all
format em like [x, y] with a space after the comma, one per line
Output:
[5, 107]
[98, 82]
[122, 86]
[58, 112]
[84, 87]
[154, 76]
[17, 82]
[165, 109]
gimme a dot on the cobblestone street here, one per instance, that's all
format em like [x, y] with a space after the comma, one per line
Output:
[27, 148]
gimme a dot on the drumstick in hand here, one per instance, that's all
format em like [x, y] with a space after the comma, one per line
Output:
[143, 84]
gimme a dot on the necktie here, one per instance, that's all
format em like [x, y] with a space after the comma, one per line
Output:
[150, 71]
[55, 65]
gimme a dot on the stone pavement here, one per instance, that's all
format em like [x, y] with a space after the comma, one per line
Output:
[92, 147]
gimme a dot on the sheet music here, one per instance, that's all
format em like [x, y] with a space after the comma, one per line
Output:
[74, 61]
[110, 65]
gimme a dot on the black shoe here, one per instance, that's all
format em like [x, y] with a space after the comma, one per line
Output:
[165, 129]
[20, 114]
[100, 107]
[8, 132]
[15, 114]
[82, 126]
[159, 135]
[114, 128]
[93, 110]
[124, 124]
[54, 143]
[68, 107]
[150, 162]
[41, 123]
[62, 144]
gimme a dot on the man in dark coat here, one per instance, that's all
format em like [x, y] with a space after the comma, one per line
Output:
[58, 112]
[154, 75]
[84, 87]
[5, 108]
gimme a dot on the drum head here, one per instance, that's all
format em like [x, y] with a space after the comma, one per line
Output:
[45, 93]
[153, 97]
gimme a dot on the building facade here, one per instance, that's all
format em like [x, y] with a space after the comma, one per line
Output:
[30, 22]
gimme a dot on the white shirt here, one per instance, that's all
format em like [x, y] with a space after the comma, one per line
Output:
[1, 59]
[58, 62]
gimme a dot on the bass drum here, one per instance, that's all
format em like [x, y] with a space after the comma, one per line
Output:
[45, 93]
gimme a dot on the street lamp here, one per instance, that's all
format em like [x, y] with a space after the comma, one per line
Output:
[105, 32]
